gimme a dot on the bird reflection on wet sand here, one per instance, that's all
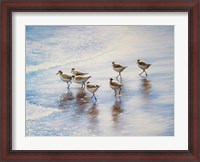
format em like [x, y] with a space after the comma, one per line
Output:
[65, 98]
[93, 111]
[81, 97]
[116, 110]
[93, 119]
[146, 87]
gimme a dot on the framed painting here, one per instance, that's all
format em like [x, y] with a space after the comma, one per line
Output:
[100, 80]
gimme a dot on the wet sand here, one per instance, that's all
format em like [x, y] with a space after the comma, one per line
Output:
[144, 108]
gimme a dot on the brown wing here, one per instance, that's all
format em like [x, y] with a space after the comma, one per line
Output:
[79, 78]
[66, 76]
[117, 66]
[80, 73]
[91, 86]
[148, 65]
[115, 84]
[142, 63]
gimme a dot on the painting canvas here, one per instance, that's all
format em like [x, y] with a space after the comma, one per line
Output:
[86, 80]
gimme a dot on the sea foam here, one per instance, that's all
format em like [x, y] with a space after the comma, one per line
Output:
[34, 112]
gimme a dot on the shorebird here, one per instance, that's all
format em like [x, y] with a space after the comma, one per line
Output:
[143, 66]
[65, 78]
[118, 68]
[115, 86]
[92, 89]
[80, 80]
[76, 72]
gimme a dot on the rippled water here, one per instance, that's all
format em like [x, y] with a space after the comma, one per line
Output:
[146, 104]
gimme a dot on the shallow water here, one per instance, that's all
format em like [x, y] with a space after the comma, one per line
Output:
[146, 104]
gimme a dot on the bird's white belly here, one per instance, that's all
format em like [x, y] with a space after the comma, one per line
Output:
[92, 90]
[114, 87]
[118, 69]
[64, 79]
[80, 81]
[143, 67]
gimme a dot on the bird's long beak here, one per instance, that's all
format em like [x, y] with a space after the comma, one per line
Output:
[57, 73]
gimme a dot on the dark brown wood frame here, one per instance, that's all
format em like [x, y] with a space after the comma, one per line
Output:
[10, 6]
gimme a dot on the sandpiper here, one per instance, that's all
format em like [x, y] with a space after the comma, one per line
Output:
[65, 78]
[118, 68]
[115, 86]
[92, 89]
[80, 80]
[76, 72]
[143, 66]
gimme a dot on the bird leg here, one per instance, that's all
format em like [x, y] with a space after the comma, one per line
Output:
[120, 74]
[119, 90]
[83, 91]
[142, 72]
[117, 76]
[67, 85]
[94, 96]
[94, 102]
[115, 92]
[145, 72]
[83, 86]
[121, 80]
